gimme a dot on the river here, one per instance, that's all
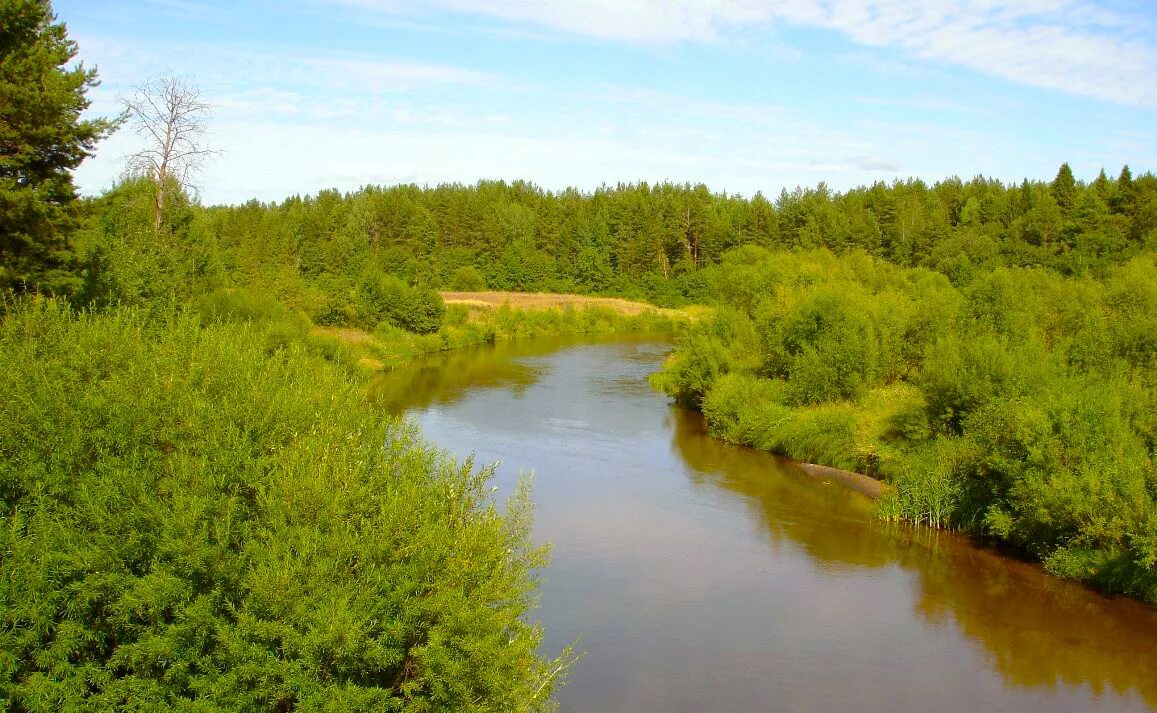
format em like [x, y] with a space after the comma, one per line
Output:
[699, 576]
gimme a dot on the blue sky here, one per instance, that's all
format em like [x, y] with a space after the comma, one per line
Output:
[742, 95]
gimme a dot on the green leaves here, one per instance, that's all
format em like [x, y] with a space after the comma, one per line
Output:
[189, 523]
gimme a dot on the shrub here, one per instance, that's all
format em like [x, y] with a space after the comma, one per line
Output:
[689, 374]
[188, 523]
[468, 279]
[382, 297]
[238, 305]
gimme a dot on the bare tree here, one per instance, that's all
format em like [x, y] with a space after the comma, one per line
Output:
[170, 115]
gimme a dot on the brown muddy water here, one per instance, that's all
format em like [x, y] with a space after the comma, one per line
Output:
[699, 576]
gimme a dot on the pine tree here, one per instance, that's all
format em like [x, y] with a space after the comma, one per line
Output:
[42, 139]
[1123, 199]
[1064, 188]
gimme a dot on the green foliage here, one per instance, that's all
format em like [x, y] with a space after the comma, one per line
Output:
[43, 140]
[422, 311]
[382, 297]
[233, 305]
[927, 488]
[189, 522]
[468, 279]
[665, 243]
[824, 345]
[126, 260]
[960, 374]
[1018, 406]
[690, 373]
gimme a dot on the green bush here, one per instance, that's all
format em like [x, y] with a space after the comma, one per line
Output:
[422, 312]
[382, 297]
[234, 305]
[824, 345]
[189, 523]
[468, 279]
[690, 372]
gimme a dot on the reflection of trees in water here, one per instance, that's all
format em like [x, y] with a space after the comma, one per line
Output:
[783, 503]
[447, 377]
[1038, 630]
[1035, 629]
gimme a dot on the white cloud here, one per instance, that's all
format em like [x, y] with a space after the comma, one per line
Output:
[1066, 45]
[224, 65]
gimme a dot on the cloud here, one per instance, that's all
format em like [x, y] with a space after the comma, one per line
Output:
[294, 119]
[289, 85]
[1054, 44]
[665, 104]
[379, 75]
[646, 20]
[218, 64]
[654, 137]
[1065, 45]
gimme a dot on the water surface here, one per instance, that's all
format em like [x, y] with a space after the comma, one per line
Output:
[700, 576]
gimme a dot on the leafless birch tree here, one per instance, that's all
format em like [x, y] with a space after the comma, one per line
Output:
[170, 115]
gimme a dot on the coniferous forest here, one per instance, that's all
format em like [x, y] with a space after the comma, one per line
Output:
[196, 506]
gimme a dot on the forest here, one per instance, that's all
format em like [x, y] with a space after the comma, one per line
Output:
[651, 242]
[200, 507]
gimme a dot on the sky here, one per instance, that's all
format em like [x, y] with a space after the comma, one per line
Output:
[744, 96]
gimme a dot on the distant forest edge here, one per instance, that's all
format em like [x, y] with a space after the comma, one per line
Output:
[638, 241]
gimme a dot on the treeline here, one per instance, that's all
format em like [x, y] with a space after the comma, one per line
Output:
[320, 253]
[1019, 403]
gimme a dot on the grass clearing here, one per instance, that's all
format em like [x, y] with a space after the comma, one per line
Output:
[552, 300]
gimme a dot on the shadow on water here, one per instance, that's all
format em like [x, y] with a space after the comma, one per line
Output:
[1036, 630]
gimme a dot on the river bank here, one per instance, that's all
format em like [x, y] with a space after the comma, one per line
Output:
[478, 318]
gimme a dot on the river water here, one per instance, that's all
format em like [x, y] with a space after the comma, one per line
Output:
[698, 576]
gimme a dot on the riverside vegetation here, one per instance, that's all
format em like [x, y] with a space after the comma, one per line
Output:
[1013, 402]
[199, 508]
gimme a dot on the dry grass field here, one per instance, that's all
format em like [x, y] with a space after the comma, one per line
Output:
[548, 300]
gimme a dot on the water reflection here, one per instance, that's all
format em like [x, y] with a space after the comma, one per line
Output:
[446, 377]
[1036, 630]
[703, 576]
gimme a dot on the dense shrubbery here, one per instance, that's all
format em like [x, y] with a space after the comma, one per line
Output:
[193, 519]
[382, 297]
[1020, 404]
[199, 510]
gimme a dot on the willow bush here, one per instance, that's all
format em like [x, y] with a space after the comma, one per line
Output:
[199, 518]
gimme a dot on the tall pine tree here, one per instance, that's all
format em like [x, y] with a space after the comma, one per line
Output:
[42, 139]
